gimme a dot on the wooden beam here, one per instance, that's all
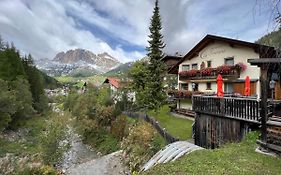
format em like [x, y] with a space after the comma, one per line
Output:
[264, 93]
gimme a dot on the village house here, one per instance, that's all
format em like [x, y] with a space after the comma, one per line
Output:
[213, 55]
[170, 80]
[117, 85]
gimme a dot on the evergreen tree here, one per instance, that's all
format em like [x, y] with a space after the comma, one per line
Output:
[148, 78]
[35, 80]
[10, 64]
[156, 67]
[7, 104]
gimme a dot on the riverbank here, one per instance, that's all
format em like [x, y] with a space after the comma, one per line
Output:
[35, 146]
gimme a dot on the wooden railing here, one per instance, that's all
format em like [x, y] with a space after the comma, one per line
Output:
[246, 109]
[167, 136]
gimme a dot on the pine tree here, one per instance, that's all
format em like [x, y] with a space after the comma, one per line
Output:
[148, 76]
[35, 80]
[156, 67]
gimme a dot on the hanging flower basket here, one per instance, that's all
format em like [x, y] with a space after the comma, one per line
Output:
[189, 73]
[224, 69]
[206, 71]
[240, 67]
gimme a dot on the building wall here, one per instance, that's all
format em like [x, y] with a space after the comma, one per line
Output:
[216, 52]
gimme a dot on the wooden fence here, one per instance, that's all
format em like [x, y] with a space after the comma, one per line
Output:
[168, 137]
[245, 109]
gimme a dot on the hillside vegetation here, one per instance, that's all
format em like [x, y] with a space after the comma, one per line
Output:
[234, 158]
[272, 39]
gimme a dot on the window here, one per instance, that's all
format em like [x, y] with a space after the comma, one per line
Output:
[208, 86]
[228, 87]
[184, 86]
[195, 66]
[229, 61]
[209, 63]
[185, 67]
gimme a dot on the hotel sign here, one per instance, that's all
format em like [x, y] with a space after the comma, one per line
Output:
[211, 52]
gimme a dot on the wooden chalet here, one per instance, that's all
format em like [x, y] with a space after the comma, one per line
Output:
[213, 55]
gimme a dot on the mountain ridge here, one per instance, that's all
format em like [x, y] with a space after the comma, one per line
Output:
[78, 60]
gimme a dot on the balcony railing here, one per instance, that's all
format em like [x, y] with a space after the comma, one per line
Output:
[210, 73]
[247, 109]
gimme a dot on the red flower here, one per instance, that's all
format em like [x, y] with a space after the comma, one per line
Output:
[206, 71]
[224, 69]
[189, 73]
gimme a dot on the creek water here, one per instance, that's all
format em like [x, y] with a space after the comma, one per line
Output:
[78, 152]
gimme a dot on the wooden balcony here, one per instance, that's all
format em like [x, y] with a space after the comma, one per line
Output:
[246, 109]
[211, 73]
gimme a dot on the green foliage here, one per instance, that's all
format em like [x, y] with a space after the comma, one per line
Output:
[104, 115]
[10, 64]
[148, 77]
[142, 142]
[35, 80]
[7, 104]
[118, 127]
[23, 102]
[50, 82]
[234, 158]
[120, 70]
[50, 140]
[272, 39]
[39, 136]
[178, 127]
[44, 170]
[70, 101]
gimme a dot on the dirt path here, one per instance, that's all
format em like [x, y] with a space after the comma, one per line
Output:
[110, 164]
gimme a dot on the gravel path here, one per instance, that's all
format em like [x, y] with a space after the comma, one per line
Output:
[110, 164]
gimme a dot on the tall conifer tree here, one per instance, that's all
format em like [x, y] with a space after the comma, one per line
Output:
[156, 68]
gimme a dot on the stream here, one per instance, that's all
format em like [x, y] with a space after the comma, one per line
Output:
[81, 159]
[78, 152]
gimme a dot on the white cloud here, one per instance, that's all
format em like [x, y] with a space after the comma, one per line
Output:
[45, 27]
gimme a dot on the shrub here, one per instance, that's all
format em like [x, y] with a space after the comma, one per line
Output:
[7, 107]
[142, 142]
[55, 132]
[118, 127]
[104, 115]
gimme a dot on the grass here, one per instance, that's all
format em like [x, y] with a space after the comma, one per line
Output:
[97, 79]
[178, 127]
[233, 158]
[44, 133]
[30, 144]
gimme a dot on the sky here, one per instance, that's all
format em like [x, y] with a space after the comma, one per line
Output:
[120, 27]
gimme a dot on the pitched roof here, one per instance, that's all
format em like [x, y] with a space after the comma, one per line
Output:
[113, 81]
[263, 50]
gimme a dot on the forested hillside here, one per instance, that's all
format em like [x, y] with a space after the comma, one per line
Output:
[272, 39]
[21, 87]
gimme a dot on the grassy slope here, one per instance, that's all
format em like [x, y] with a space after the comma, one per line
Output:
[30, 146]
[181, 128]
[37, 140]
[235, 158]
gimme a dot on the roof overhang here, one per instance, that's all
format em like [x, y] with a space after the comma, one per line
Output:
[261, 61]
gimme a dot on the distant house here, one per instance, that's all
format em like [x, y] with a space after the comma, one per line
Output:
[117, 87]
[170, 79]
[213, 55]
